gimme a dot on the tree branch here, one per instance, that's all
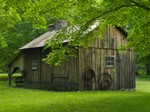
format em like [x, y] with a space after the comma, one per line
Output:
[140, 5]
[109, 11]
[135, 4]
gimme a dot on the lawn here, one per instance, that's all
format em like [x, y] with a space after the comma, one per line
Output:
[25, 100]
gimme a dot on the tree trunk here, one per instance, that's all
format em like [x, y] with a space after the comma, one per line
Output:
[147, 69]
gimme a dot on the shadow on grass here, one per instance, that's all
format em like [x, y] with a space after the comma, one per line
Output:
[143, 78]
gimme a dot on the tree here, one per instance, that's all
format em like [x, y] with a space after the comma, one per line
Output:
[19, 32]
[11, 12]
[8, 17]
[134, 15]
[16, 37]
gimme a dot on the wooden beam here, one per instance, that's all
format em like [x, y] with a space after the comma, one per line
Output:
[9, 77]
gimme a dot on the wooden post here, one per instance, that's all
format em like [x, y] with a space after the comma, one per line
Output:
[9, 77]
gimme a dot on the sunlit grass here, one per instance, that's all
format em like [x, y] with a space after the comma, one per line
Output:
[26, 100]
[143, 84]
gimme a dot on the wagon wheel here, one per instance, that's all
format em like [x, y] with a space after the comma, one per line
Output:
[89, 75]
[106, 81]
[89, 79]
[105, 84]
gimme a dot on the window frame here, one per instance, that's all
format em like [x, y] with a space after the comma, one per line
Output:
[109, 61]
[34, 64]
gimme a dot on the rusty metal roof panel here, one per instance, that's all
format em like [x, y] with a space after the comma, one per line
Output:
[39, 41]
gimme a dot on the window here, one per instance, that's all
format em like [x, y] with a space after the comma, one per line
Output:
[110, 61]
[34, 64]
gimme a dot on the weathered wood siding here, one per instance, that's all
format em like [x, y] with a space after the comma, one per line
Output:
[71, 75]
[63, 77]
[113, 38]
[32, 76]
[18, 62]
[125, 70]
[93, 58]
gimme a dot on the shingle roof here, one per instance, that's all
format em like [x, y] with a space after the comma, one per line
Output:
[39, 41]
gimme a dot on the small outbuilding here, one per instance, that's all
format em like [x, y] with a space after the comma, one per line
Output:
[101, 66]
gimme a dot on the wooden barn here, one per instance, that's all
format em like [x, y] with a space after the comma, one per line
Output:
[101, 66]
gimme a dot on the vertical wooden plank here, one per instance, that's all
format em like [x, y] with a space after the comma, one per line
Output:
[80, 67]
[94, 66]
[120, 71]
[9, 77]
[125, 70]
[133, 68]
[129, 71]
[117, 67]
[102, 61]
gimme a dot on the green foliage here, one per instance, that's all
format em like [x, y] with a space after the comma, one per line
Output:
[65, 43]
[2, 42]
[134, 15]
[14, 38]
[140, 70]
[58, 55]
[15, 29]
[8, 17]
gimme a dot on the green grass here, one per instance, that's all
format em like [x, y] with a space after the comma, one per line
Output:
[26, 100]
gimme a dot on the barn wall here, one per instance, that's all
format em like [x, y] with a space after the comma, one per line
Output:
[63, 77]
[113, 38]
[71, 75]
[32, 77]
[125, 70]
[93, 58]
[18, 62]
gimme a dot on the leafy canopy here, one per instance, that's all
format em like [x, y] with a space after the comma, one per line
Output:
[134, 15]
